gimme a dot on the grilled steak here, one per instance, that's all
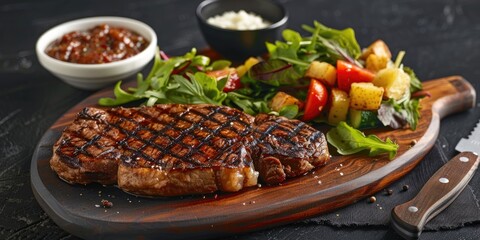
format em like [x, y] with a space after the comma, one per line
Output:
[163, 150]
[286, 148]
[88, 150]
[175, 149]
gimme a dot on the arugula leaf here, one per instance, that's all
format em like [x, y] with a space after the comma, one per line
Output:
[344, 38]
[209, 86]
[349, 140]
[287, 51]
[121, 97]
[199, 89]
[331, 44]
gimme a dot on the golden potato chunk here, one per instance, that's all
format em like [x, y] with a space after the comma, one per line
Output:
[395, 82]
[365, 96]
[376, 63]
[323, 72]
[378, 48]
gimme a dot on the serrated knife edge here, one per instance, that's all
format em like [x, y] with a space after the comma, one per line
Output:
[472, 142]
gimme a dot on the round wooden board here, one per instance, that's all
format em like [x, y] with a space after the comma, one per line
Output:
[344, 180]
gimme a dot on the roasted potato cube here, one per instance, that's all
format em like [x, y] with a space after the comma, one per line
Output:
[395, 82]
[376, 63]
[365, 96]
[323, 72]
[282, 99]
[378, 48]
[340, 103]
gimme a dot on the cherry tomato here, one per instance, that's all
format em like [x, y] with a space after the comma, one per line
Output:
[316, 100]
[348, 73]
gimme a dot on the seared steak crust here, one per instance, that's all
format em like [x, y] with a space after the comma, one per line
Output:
[88, 149]
[182, 136]
[175, 149]
[183, 149]
[286, 148]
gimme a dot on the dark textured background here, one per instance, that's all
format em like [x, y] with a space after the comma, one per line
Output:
[441, 38]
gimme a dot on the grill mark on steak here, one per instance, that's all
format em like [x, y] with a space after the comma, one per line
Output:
[183, 133]
[187, 138]
[218, 131]
[286, 148]
[277, 126]
[77, 150]
[138, 152]
[132, 137]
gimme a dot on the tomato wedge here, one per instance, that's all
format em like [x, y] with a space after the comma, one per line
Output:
[316, 100]
[233, 81]
[348, 73]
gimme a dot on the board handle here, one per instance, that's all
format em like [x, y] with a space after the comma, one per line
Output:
[450, 95]
[440, 190]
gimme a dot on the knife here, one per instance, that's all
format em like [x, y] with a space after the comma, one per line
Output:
[408, 219]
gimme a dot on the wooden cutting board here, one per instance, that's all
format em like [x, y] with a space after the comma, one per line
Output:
[344, 180]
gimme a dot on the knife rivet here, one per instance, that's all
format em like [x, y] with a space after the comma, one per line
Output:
[464, 159]
[443, 180]
[412, 209]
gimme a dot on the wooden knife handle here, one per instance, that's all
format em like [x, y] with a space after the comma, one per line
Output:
[440, 190]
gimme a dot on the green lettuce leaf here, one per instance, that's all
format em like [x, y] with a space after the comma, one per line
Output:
[349, 140]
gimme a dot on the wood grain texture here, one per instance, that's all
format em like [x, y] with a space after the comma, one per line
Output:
[435, 195]
[343, 181]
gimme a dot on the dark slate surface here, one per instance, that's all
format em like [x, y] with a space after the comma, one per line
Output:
[463, 211]
[441, 38]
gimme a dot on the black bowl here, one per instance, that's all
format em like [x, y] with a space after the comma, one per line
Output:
[239, 44]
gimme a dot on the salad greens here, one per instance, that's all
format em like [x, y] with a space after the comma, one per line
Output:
[175, 80]
[183, 80]
[186, 80]
[247, 104]
[325, 44]
[397, 114]
[198, 88]
[349, 140]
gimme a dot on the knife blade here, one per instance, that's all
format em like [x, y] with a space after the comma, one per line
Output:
[408, 219]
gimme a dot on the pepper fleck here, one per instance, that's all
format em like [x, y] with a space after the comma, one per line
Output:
[388, 192]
